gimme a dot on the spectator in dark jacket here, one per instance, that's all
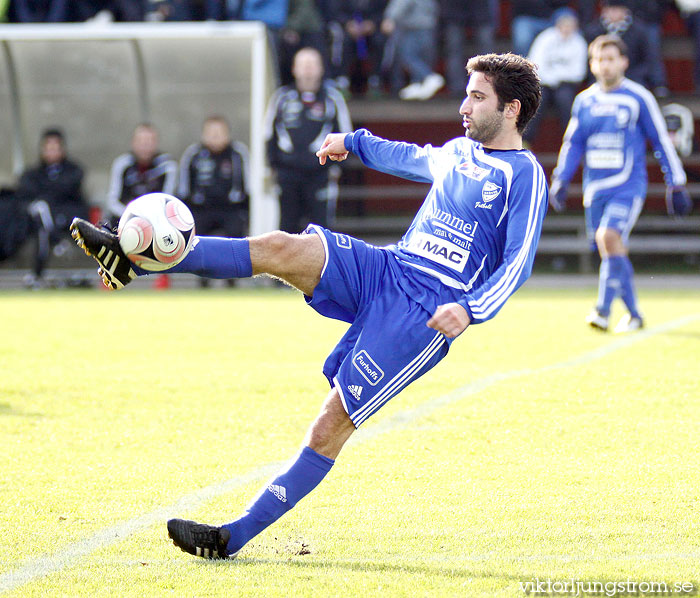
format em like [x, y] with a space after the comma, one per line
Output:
[650, 15]
[214, 182]
[52, 194]
[145, 169]
[617, 18]
[110, 10]
[39, 11]
[298, 119]
[357, 36]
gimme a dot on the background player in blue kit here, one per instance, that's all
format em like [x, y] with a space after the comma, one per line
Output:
[470, 246]
[610, 124]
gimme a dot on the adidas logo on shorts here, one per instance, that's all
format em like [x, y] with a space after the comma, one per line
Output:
[355, 390]
[279, 491]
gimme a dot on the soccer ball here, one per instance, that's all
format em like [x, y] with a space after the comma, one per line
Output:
[156, 231]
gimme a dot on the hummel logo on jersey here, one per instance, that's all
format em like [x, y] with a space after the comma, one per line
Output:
[343, 241]
[355, 391]
[279, 491]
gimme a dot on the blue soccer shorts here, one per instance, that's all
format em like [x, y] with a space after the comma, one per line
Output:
[617, 213]
[388, 344]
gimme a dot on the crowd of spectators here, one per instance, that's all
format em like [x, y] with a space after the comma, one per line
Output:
[411, 49]
[211, 178]
[399, 47]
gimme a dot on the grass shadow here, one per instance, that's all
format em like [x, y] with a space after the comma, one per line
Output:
[452, 568]
[9, 410]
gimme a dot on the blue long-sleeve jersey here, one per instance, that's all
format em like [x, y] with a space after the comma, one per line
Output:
[478, 228]
[609, 130]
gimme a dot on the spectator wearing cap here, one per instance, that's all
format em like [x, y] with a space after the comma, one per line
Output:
[561, 55]
[530, 18]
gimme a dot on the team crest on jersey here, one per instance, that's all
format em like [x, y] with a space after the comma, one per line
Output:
[622, 117]
[490, 191]
[473, 171]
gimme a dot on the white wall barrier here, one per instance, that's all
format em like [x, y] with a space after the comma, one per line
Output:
[97, 82]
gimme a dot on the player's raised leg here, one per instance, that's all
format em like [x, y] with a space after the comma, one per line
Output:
[298, 259]
[324, 441]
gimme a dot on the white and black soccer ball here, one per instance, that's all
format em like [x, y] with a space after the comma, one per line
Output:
[156, 231]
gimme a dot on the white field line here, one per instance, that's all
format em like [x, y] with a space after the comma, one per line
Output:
[66, 556]
[476, 386]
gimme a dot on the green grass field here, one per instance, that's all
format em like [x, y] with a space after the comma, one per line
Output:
[537, 450]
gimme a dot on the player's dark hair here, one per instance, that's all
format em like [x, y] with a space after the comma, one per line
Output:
[603, 41]
[53, 132]
[513, 78]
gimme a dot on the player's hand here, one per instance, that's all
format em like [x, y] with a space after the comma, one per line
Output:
[678, 202]
[388, 26]
[451, 319]
[557, 195]
[333, 148]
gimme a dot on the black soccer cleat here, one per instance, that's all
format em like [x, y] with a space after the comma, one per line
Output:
[200, 539]
[103, 245]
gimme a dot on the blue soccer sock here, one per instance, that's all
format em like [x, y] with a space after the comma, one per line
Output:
[214, 257]
[279, 496]
[608, 283]
[627, 290]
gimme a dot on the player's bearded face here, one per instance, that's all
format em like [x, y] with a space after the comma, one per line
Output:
[608, 66]
[485, 127]
[482, 119]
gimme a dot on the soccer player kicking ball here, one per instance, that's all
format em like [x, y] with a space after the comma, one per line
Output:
[470, 246]
[609, 127]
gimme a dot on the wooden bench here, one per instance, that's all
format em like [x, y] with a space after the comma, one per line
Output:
[562, 235]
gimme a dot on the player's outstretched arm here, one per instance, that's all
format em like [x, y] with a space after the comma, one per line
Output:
[333, 148]
[451, 319]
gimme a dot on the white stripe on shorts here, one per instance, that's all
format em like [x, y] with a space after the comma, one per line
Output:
[319, 231]
[635, 210]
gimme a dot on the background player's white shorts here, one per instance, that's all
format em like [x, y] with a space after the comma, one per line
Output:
[388, 344]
